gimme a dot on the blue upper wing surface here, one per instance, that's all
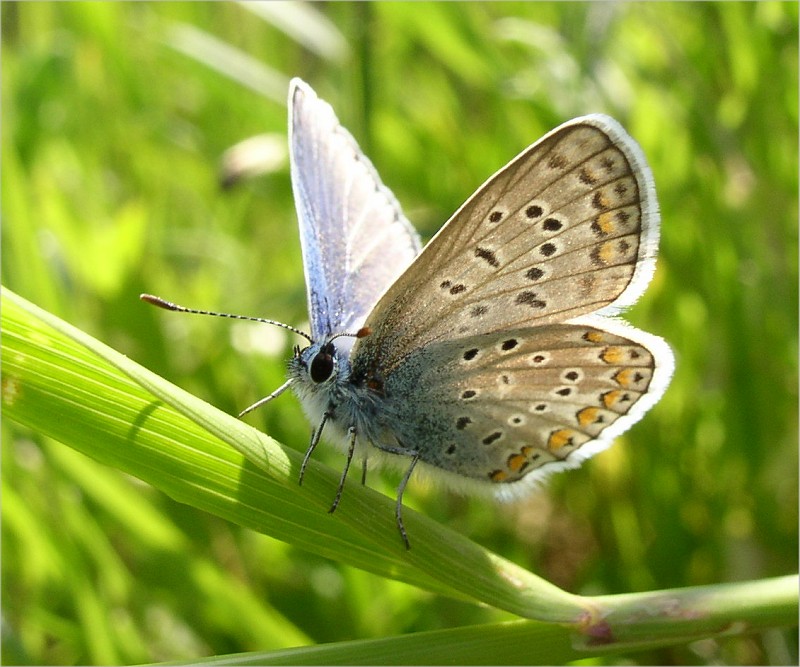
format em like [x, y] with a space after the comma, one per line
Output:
[355, 239]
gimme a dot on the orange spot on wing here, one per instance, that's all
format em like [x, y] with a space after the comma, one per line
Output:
[626, 377]
[559, 439]
[611, 398]
[606, 253]
[516, 462]
[605, 222]
[612, 355]
[588, 416]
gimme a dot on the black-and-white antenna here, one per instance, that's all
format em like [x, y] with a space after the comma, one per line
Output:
[168, 305]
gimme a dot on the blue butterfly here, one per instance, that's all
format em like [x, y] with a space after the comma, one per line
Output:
[492, 357]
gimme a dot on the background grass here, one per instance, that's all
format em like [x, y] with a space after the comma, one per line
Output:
[115, 117]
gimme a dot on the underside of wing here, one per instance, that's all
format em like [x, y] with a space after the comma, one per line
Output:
[497, 413]
[355, 239]
[569, 227]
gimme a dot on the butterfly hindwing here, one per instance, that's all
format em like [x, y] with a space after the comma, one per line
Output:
[513, 406]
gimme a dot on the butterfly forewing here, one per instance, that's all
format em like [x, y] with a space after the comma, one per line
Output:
[354, 236]
[568, 227]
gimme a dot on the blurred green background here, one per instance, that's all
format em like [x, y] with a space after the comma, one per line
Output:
[116, 117]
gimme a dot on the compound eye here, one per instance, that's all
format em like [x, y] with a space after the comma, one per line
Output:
[321, 366]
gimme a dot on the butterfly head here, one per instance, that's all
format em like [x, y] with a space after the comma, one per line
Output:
[318, 375]
[316, 364]
[320, 362]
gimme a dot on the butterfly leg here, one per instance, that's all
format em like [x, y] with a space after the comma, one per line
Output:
[315, 436]
[350, 451]
[364, 471]
[398, 510]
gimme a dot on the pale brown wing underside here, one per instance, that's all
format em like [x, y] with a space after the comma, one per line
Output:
[566, 228]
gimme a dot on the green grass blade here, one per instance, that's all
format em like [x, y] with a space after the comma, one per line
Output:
[73, 388]
[646, 621]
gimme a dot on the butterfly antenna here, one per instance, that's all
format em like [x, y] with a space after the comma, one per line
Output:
[168, 305]
[363, 332]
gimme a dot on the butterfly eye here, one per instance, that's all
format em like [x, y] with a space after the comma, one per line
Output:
[322, 364]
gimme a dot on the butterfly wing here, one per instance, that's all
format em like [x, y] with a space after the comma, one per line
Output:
[494, 352]
[568, 227]
[354, 237]
[515, 406]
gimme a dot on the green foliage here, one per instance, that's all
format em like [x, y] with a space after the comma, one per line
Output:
[115, 117]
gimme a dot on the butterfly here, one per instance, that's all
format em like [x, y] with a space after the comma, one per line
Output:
[491, 357]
